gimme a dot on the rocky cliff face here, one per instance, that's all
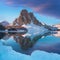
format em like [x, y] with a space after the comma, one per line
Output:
[26, 18]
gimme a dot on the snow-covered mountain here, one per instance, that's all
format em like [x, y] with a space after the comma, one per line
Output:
[4, 23]
[29, 21]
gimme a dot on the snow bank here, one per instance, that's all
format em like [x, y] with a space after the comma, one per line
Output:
[7, 53]
[41, 55]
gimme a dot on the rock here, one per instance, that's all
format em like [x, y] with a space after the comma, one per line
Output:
[26, 18]
[34, 20]
[2, 34]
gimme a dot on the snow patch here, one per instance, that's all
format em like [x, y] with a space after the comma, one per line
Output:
[34, 29]
[7, 53]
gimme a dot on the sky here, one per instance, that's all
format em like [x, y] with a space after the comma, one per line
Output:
[46, 11]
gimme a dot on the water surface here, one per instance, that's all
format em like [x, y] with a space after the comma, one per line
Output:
[49, 43]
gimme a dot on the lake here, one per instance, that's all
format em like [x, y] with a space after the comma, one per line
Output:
[49, 43]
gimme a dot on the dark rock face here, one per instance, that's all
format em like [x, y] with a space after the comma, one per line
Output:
[2, 34]
[2, 27]
[26, 18]
[17, 31]
[51, 28]
[34, 20]
[12, 29]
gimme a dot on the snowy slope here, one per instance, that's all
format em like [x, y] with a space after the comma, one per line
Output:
[34, 30]
[7, 53]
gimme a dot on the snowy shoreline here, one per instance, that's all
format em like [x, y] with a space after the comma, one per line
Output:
[7, 53]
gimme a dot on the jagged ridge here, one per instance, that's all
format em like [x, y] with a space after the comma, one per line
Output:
[26, 18]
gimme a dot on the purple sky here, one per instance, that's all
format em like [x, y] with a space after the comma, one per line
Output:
[50, 7]
[43, 7]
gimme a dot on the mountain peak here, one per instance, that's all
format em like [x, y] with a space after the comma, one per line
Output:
[26, 18]
[24, 12]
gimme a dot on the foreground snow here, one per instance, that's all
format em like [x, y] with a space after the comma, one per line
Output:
[7, 53]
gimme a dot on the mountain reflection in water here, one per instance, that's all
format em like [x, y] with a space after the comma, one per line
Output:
[28, 45]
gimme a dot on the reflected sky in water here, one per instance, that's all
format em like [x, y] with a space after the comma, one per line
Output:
[26, 45]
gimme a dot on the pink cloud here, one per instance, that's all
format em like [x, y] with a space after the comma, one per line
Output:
[9, 2]
[40, 8]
